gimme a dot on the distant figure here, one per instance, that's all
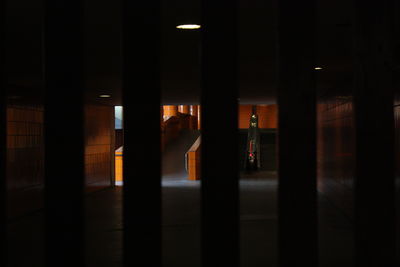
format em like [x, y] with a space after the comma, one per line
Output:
[252, 160]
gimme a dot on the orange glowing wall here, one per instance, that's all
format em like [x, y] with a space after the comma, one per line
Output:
[118, 166]
[25, 154]
[267, 116]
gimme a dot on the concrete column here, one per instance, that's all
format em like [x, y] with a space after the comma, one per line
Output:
[170, 110]
[374, 122]
[64, 133]
[297, 200]
[142, 148]
[194, 119]
[219, 171]
[184, 109]
[194, 110]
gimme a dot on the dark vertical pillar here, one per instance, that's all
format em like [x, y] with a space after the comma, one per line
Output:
[374, 123]
[219, 171]
[3, 138]
[64, 133]
[112, 147]
[297, 209]
[142, 156]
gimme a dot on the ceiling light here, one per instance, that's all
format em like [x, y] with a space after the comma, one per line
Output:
[105, 96]
[188, 27]
[318, 68]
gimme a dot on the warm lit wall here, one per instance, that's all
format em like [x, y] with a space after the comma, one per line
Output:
[184, 109]
[25, 154]
[267, 116]
[25, 139]
[119, 165]
[336, 151]
[25, 142]
[99, 146]
[25, 158]
[244, 114]
[170, 110]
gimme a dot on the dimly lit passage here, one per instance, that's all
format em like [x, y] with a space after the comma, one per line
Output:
[200, 133]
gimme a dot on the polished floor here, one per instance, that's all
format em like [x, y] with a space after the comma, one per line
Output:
[181, 222]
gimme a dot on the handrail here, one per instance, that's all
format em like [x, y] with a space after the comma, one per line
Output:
[192, 160]
[195, 145]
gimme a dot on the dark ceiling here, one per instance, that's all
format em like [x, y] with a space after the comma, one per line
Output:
[180, 49]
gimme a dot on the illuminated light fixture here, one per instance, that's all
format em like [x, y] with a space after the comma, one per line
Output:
[104, 96]
[188, 27]
[318, 68]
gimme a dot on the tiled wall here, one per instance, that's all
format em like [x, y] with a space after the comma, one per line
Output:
[336, 147]
[25, 154]
[25, 158]
[336, 157]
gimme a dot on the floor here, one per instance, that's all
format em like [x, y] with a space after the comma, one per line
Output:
[181, 222]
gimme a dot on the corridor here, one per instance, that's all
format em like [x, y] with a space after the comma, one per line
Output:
[313, 85]
[181, 222]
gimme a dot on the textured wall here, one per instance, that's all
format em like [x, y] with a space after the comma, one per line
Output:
[25, 154]
[99, 146]
[336, 149]
[24, 66]
[25, 158]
